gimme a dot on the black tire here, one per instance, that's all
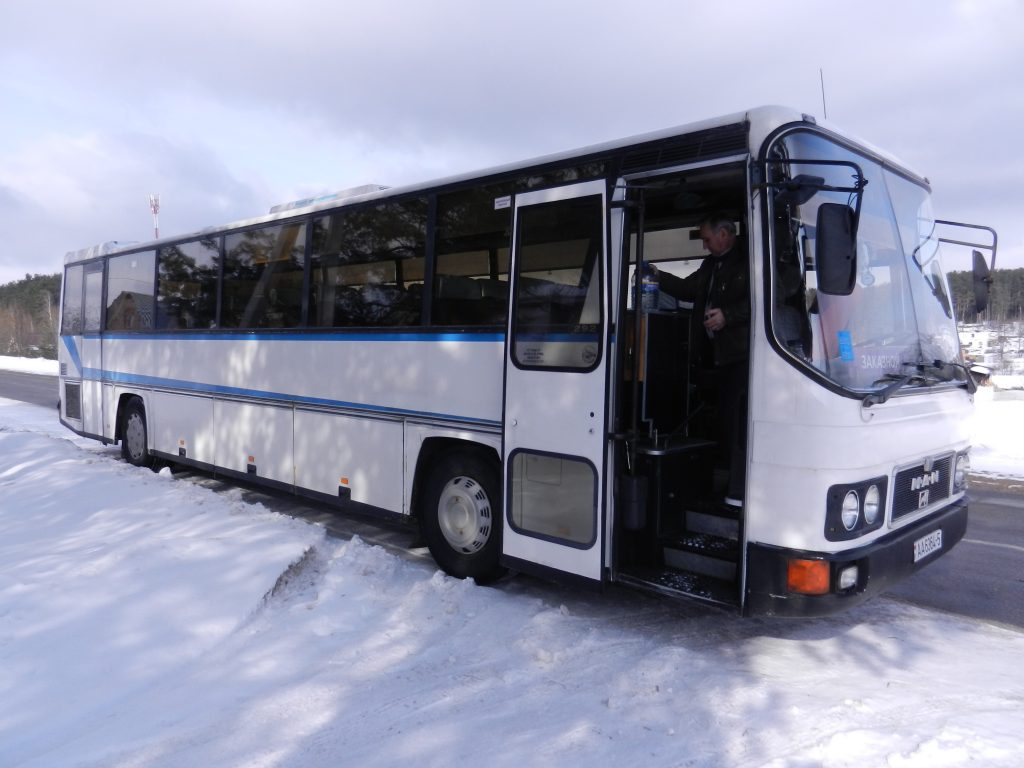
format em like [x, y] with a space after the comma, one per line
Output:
[135, 435]
[460, 516]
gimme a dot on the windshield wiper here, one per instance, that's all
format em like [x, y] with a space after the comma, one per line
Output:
[923, 373]
[897, 381]
[943, 365]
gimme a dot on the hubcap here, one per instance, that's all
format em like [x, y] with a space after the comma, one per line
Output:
[464, 514]
[135, 436]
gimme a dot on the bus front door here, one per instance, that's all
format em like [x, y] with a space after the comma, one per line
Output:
[555, 373]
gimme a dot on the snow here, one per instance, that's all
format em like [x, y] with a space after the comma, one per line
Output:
[29, 365]
[997, 448]
[1008, 381]
[146, 621]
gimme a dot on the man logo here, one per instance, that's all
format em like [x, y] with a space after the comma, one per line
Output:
[922, 499]
[931, 477]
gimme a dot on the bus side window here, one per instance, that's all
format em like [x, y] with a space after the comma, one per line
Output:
[472, 246]
[130, 291]
[72, 311]
[186, 295]
[263, 272]
[93, 307]
[368, 266]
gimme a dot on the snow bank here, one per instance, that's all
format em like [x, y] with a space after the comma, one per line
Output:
[1007, 381]
[145, 621]
[29, 365]
[997, 447]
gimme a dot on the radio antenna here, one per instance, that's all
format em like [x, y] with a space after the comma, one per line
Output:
[821, 76]
[154, 206]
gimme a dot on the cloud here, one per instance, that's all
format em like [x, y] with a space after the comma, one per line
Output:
[71, 192]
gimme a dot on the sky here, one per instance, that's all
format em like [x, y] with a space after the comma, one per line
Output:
[225, 108]
[149, 622]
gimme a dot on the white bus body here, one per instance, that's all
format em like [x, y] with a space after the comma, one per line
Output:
[463, 353]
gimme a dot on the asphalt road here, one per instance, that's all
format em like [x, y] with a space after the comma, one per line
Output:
[982, 577]
[29, 388]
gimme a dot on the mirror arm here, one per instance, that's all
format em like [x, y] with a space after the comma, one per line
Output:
[984, 246]
[857, 190]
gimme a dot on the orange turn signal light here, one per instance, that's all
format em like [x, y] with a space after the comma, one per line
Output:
[808, 577]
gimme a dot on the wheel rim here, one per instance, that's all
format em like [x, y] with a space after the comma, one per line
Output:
[135, 436]
[464, 514]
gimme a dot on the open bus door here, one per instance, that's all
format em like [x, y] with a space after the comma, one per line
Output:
[555, 382]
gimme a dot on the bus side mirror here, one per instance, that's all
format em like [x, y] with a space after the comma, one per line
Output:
[982, 281]
[798, 190]
[836, 244]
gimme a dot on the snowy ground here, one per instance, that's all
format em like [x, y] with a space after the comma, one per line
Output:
[149, 622]
[29, 365]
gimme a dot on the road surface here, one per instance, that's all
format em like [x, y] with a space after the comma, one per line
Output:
[29, 388]
[983, 576]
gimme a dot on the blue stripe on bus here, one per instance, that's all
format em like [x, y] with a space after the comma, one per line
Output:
[69, 344]
[302, 336]
[217, 389]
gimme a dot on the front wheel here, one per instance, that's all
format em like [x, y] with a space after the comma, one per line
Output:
[134, 438]
[461, 516]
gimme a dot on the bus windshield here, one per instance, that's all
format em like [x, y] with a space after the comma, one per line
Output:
[898, 320]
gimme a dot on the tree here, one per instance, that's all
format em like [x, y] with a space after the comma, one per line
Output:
[29, 316]
[1006, 298]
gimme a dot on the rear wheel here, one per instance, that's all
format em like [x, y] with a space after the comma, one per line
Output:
[461, 516]
[134, 437]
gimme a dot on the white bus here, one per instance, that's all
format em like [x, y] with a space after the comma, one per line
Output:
[472, 354]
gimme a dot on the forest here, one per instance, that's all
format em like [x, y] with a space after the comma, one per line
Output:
[29, 312]
[1006, 298]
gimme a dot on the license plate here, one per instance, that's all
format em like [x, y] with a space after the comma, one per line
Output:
[927, 544]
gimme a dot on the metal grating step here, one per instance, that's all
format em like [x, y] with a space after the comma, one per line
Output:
[705, 554]
[717, 521]
[706, 589]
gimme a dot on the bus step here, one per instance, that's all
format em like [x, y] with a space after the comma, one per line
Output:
[706, 589]
[719, 521]
[704, 554]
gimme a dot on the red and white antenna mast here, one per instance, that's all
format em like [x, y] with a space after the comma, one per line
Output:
[154, 206]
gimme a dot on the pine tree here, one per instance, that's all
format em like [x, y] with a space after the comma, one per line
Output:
[29, 315]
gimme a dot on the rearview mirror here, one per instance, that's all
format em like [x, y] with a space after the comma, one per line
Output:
[798, 190]
[982, 281]
[836, 246]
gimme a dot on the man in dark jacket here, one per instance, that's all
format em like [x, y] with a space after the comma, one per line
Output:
[720, 292]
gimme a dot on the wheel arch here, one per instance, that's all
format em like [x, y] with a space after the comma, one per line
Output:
[122, 404]
[435, 448]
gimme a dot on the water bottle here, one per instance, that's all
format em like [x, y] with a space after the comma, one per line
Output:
[649, 292]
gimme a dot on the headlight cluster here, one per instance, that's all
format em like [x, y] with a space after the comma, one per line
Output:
[854, 509]
[962, 468]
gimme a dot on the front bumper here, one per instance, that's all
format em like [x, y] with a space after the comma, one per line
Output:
[881, 563]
